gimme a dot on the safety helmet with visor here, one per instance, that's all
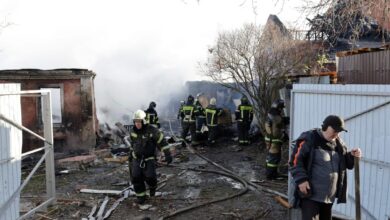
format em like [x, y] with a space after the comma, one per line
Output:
[139, 116]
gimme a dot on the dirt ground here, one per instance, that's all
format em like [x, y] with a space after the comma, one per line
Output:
[181, 187]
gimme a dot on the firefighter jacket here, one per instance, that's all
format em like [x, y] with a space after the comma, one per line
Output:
[274, 126]
[188, 112]
[244, 113]
[152, 117]
[199, 108]
[212, 113]
[146, 141]
[302, 159]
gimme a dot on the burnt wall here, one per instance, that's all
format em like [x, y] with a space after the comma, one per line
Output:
[76, 132]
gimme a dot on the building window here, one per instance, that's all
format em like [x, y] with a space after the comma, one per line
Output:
[56, 103]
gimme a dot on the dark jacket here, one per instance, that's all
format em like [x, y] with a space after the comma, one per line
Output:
[212, 114]
[302, 158]
[146, 140]
[244, 113]
[152, 117]
[188, 112]
[200, 109]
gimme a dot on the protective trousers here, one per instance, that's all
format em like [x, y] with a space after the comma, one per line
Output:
[200, 121]
[243, 132]
[189, 126]
[212, 136]
[273, 158]
[141, 172]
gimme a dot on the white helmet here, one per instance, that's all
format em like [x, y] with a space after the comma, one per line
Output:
[213, 101]
[139, 115]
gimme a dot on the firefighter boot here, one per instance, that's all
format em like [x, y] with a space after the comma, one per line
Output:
[152, 192]
[141, 200]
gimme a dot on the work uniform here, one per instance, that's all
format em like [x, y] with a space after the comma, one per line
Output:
[152, 117]
[188, 113]
[212, 113]
[244, 117]
[200, 118]
[274, 138]
[142, 161]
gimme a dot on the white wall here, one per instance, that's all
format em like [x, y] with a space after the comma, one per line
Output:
[10, 150]
[370, 131]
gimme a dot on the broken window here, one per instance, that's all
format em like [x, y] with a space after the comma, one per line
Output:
[56, 103]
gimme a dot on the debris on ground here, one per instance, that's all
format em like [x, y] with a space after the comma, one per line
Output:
[100, 184]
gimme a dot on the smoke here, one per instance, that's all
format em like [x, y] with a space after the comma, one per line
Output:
[127, 82]
[141, 51]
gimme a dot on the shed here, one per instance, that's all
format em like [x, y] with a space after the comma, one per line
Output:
[366, 110]
[73, 101]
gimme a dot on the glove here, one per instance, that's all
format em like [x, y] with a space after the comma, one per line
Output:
[158, 125]
[168, 158]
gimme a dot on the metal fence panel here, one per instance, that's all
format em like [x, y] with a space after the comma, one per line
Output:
[365, 68]
[10, 150]
[370, 130]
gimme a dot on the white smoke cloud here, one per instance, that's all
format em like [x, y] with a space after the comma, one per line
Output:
[141, 51]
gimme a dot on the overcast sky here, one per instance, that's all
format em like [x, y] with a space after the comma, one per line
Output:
[140, 50]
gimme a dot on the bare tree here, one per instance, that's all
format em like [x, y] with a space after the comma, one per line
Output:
[255, 61]
[348, 19]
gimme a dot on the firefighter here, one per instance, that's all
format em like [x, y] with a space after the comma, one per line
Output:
[201, 117]
[188, 113]
[244, 117]
[151, 115]
[274, 138]
[182, 102]
[145, 140]
[212, 114]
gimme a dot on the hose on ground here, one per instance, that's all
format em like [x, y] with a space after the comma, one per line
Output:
[195, 206]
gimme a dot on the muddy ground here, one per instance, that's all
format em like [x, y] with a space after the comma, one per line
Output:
[181, 187]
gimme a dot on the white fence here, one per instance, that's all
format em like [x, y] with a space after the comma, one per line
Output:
[366, 110]
[11, 150]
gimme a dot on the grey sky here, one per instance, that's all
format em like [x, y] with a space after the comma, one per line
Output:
[140, 50]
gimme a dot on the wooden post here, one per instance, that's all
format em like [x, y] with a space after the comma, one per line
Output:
[357, 190]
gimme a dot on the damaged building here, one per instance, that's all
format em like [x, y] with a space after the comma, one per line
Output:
[73, 103]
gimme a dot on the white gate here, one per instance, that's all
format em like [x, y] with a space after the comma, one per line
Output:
[11, 151]
[366, 110]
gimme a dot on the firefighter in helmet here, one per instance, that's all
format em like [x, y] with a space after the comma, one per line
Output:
[244, 117]
[201, 117]
[151, 115]
[275, 136]
[145, 140]
[188, 112]
[212, 114]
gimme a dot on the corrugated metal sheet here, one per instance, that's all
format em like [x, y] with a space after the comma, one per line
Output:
[10, 150]
[370, 131]
[365, 68]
